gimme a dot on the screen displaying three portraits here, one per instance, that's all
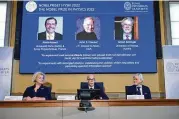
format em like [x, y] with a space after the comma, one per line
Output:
[88, 37]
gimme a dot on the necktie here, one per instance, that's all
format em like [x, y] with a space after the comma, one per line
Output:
[91, 88]
[138, 91]
[127, 37]
[49, 37]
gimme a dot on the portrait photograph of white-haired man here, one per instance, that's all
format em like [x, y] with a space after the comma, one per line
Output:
[126, 28]
[88, 28]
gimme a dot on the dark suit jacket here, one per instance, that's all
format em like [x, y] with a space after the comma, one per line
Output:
[119, 32]
[43, 91]
[102, 93]
[42, 36]
[131, 90]
[86, 36]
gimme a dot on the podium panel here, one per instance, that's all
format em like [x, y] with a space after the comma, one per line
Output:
[31, 113]
[144, 112]
[100, 109]
[74, 113]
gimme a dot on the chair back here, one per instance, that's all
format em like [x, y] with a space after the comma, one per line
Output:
[126, 90]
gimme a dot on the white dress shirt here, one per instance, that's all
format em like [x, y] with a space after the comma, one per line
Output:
[140, 89]
[50, 36]
[91, 87]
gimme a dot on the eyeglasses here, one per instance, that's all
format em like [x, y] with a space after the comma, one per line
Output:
[91, 79]
[129, 25]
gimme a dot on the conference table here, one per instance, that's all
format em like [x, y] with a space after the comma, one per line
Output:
[101, 109]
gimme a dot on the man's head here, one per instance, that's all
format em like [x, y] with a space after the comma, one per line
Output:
[50, 25]
[137, 79]
[91, 80]
[88, 24]
[127, 24]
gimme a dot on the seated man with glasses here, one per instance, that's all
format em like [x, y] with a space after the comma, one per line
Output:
[138, 88]
[91, 84]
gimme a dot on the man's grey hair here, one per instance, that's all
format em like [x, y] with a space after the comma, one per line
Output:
[127, 19]
[36, 74]
[140, 76]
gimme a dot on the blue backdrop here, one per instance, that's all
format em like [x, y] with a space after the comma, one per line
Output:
[105, 55]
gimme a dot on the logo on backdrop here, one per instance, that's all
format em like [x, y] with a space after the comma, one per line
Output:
[135, 7]
[172, 66]
[4, 68]
[127, 6]
[31, 6]
[4, 71]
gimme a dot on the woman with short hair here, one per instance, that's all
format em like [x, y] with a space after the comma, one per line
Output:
[37, 91]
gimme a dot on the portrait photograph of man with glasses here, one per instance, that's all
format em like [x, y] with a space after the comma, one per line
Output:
[126, 28]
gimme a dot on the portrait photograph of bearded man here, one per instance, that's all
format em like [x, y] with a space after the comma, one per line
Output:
[126, 28]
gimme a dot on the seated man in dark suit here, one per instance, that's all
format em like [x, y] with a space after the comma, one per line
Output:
[50, 34]
[137, 88]
[88, 32]
[92, 85]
